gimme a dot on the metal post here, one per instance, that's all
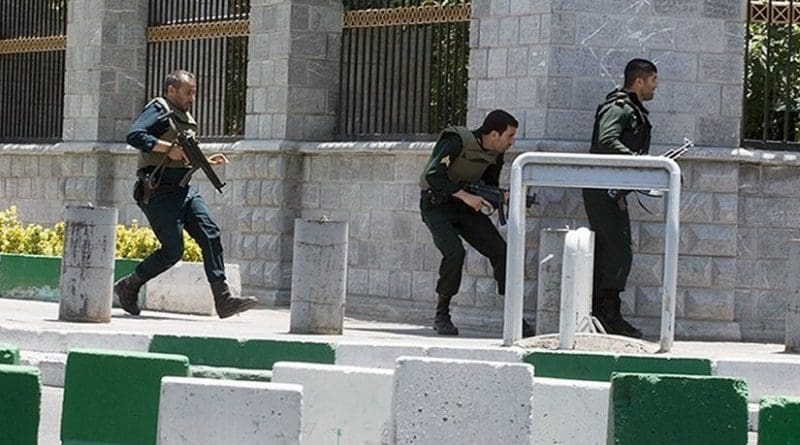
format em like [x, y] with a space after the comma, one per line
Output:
[670, 262]
[515, 258]
[568, 170]
[793, 303]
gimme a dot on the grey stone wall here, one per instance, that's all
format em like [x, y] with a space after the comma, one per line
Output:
[104, 68]
[738, 212]
[293, 69]
[553, 61]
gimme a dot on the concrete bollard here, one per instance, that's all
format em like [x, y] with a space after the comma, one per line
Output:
[319, 277]
[87, 264]
[548, 299]
[793, 303]
[576, 286]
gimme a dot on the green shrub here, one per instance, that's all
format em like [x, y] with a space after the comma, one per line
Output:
[133, 242]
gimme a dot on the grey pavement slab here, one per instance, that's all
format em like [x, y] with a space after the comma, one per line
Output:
[22, 318]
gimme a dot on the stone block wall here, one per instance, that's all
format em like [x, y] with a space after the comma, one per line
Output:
[104, 68]
[553, 61]
[737, 214]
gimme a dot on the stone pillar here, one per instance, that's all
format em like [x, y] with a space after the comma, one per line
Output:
[293, 69]
[793, 303]
[548, 297]
[104, 68]
[87, 264]
[551, 62]
[319, 277]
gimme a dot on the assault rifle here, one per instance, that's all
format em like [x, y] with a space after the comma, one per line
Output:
[196, 158]
[673, 153]
[496, 197]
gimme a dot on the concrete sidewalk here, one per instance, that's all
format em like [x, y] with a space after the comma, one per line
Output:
[22, 315]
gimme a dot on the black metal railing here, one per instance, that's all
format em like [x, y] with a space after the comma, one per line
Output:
[771, 104]
[32, 48]
[208, 38]
[404, 68]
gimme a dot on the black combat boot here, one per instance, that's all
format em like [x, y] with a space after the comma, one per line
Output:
[127, 290]
[442, 323]
[527, 330]
[611, 316]
[226, 303]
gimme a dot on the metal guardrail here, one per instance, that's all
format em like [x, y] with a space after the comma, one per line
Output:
[590, 171]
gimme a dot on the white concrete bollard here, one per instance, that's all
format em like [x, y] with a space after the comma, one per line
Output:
[375, 356]
[87, 264]
[341, 404]
[772, 377]
[439, 401]
[548, 297]
[319, 277]
[793, 305]
[570, 411]
[210, 412]
[576, 286]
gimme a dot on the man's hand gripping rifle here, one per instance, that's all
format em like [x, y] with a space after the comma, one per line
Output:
[496, 197]
[195, 155]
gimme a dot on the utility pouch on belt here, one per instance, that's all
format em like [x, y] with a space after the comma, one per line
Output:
[433, 198]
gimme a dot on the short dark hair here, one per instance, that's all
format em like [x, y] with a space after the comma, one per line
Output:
[498, 120]
[176, 78]
[638, 69]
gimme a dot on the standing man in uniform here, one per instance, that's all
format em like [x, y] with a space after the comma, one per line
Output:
[462, 156]
[621, 127]
[170, 207]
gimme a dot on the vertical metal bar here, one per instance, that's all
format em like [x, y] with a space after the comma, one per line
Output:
[352, 74]
[219, 73]
[413, 68]
[371, 83]
[358, 109]
[391, 69]
[789, 107]
[365, 91]
[382, 89]
[463, 48]
[340, 121]
[767, 115]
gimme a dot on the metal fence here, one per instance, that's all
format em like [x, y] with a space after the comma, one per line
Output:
[209, 39]
[771, 105]
[404, 68]
[32, 47]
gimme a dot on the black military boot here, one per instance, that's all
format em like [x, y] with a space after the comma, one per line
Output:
[527, 330]
[442, 323]
[611, 316]
[226, 303]
[127, 290]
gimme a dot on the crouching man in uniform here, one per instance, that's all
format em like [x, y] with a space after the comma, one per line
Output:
[451, 214]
